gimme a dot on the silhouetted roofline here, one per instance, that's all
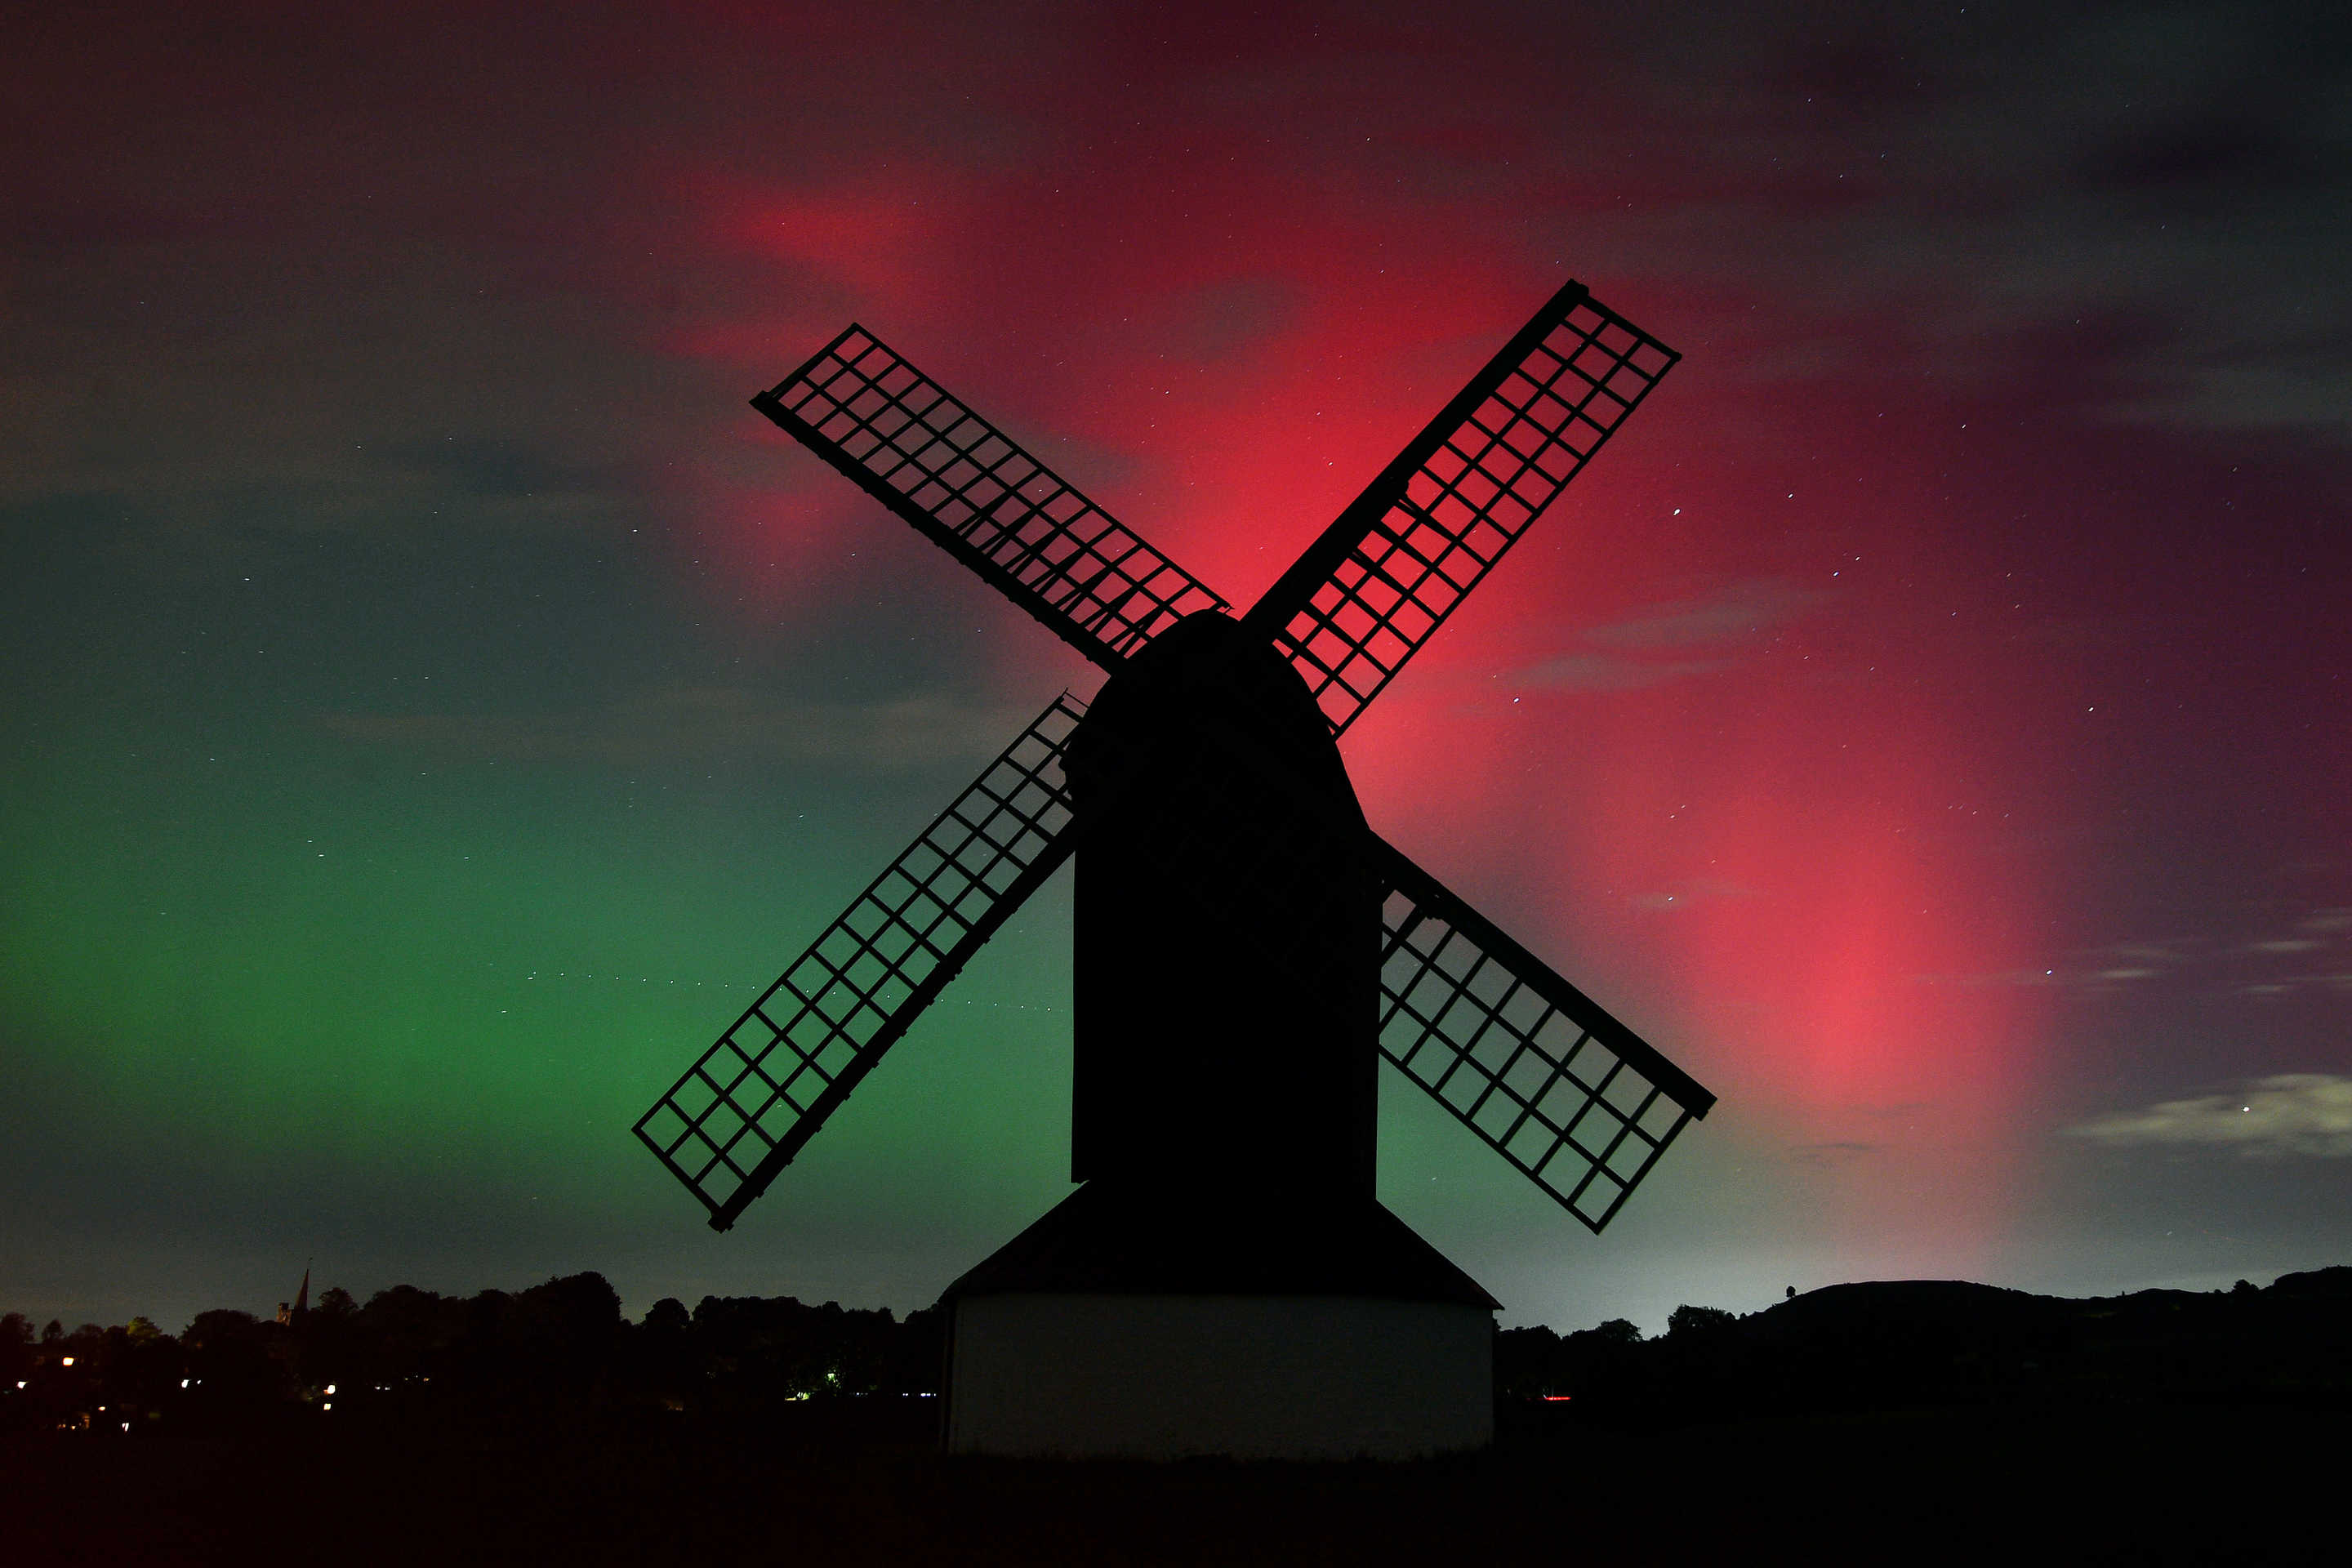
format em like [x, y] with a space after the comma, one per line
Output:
[1218, 1242]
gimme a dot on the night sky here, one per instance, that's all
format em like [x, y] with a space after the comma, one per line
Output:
[434, 703]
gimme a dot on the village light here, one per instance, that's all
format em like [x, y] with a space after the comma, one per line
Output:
[65, 1360]
[331, 1391]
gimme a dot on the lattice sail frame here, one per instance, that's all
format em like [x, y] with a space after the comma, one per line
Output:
[971, 489]
[740, 1114]
[1388, 571]
[1539, 1071]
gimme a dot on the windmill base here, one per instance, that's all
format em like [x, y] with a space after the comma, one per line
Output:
[1253, 1377]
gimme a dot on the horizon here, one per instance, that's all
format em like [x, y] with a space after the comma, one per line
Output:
[636, 1310]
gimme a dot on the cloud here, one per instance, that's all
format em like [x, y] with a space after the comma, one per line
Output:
[1600, 672]
[1741, 612]
[2305, 1113]
[695, 724]
[1706, 633]
[2244, 965]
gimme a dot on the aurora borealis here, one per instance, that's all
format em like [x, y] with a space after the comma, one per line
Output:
[435, 702]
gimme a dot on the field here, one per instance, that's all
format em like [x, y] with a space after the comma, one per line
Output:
[863, 1484]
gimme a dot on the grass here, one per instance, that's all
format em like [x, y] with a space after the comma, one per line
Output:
[2118, 1483]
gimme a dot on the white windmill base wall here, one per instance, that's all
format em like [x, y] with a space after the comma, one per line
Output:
[1271, 1377]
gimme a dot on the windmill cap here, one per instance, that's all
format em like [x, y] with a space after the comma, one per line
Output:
[1208, 675]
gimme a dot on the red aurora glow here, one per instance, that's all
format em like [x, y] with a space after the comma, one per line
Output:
[1689, 726]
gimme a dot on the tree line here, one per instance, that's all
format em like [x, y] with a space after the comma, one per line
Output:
[565, 1345]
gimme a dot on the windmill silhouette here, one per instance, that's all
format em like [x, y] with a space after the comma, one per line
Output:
[1245, 947]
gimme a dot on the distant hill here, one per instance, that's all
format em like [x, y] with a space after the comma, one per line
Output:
[1892, 1344]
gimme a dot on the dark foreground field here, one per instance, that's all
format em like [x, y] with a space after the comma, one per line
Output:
[2003, 1484]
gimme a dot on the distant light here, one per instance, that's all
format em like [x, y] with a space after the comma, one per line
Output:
[328, 1405]
[1558, 1398]
[126, 1426]
[65, 1360]
[184, 1383]
[20, 1382]
[330, 1390]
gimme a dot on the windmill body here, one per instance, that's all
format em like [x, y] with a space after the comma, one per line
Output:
[1225, 963]
[1246, 948]
[1224, 1282]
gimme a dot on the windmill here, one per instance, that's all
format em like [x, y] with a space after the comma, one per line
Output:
[1245, 947]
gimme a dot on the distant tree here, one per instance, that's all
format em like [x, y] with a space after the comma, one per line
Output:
[409, 1333]
[1526, 1363]
[54, 1332]
[233, 1358]
[664, 1363]
[567, 1327]
[558, 1339]
[1696, 1322]
[780, 1348]
[87, 1346]
[922, 1342]
[331, 1346]
[15, 1347]
[138, 1368]
[1595, 1363]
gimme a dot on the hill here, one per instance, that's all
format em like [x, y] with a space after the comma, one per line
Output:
[1900, 1345]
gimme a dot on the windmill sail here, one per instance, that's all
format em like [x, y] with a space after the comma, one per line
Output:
[1574, 1099]
[1369, 591]
[750, 1103]
[972, 490]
